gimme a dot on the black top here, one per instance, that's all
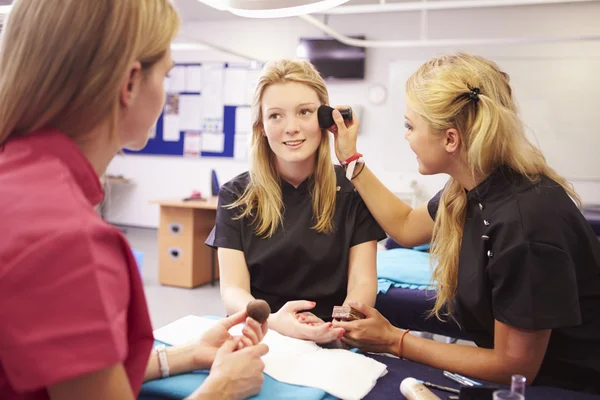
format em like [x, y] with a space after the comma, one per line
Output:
[529, 259]
[297, 262]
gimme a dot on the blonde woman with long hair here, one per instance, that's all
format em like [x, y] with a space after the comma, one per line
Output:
[516, 263]
[292, 231]
[80, 80]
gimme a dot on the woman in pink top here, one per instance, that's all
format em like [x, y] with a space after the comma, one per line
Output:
[80, 80]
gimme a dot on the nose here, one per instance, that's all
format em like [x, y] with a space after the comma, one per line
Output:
[292, 127]
[406, 134]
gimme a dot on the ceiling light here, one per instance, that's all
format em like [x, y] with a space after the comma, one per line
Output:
[272, 8]
[5, 9]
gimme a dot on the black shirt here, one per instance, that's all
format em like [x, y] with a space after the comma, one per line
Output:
[529, 259]
[297, 262]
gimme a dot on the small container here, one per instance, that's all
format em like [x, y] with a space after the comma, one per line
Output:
[507, 395]
[518, 384]
[413, 390]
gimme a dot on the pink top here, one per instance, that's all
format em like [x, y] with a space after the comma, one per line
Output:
[71, 298]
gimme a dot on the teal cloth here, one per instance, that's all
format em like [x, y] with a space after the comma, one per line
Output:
[180, 386]
[404, 268]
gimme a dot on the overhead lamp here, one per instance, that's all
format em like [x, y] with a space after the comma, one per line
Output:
[272, 8]
[5, 9]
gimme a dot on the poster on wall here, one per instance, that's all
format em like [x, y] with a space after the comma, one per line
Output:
[192, 143]
[171, 119]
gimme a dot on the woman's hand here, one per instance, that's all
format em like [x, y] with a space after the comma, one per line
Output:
[345, 134]
[206, 348]
[373, 334]
[312, 320]
[234, 374]
[288, 321]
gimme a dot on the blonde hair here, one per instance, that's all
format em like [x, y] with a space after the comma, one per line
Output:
[62, 62]
[492, 135]
[262, 198]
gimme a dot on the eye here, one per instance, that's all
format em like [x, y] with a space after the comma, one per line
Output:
[274, 116]
[306, 111]
[407, 126]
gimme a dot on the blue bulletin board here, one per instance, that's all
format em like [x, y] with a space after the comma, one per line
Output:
[238, 82]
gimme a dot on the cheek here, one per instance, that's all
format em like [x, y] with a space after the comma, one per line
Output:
[311, 127]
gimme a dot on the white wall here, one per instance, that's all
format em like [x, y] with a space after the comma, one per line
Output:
[167, 177]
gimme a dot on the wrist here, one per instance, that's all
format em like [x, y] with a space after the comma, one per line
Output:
[212, 389]
[199, 356]
[273, 322]
[393, 338]
[348, 157]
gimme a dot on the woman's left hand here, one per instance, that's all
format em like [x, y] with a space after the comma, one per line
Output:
[373, 334]
[312, 320]
[206, 348]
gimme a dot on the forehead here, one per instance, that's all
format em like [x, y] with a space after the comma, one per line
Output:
[288, 95]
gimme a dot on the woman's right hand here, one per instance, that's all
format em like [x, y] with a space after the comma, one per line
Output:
[345, 134]
[234, 374]
[286, 322]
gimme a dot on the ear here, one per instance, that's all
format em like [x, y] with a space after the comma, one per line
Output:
[131, 85]
[452, 140]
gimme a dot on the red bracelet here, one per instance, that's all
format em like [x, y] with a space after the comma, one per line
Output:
[354, 157]
[400, 342]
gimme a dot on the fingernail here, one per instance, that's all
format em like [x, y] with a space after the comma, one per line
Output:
[311, 324]
[352, 303]
[329, 324]
[335, 113]
[302, 319]
[341, 334]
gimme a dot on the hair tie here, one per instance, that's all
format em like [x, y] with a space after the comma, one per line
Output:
[474, 94]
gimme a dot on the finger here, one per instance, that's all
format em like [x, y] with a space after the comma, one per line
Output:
[249, 331]
[259, 329]
[234, 319]
[330, 336]
[339, 121]
[265, 328]
[348, 326]
[299, 305]
[259, 350]
[240, 346]
[322, 333]
[247, 341]
[349, 342]
[369, 312]
[351, 122]
[229, 346]
[307, 318]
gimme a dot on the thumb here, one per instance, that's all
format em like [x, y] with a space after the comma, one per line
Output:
[234, 319]
[298, 305]
[360, 307]
[260, 349]
[339, 120]
[229, 346]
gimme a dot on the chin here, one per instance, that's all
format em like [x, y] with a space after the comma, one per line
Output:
[135, 146]
[423, 170]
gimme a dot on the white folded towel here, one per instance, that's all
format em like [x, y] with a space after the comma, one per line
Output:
[341, 373]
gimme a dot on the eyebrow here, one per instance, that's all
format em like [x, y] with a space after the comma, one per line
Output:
[298, 106]
[406, 117]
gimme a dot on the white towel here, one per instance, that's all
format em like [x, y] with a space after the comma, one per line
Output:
[341, 373]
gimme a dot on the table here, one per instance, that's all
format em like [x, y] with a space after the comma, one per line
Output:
[184, 260]
[387, 387]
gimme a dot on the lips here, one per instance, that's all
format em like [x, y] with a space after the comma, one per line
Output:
[294, 143]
